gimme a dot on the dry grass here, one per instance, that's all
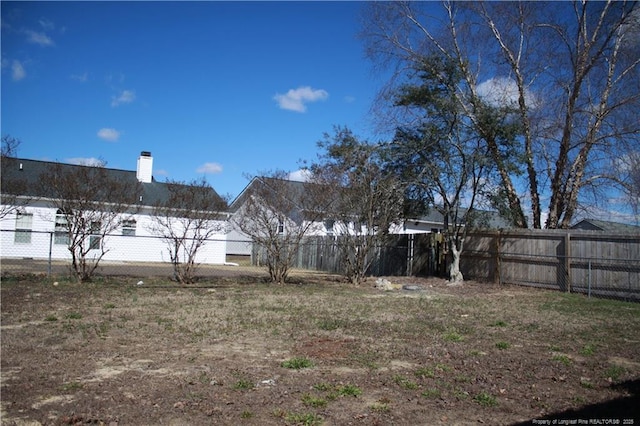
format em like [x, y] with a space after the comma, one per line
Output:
[159, 353]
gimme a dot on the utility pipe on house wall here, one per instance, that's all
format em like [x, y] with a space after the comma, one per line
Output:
[50, 252]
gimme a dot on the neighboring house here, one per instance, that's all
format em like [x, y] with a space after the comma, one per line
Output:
[239, 243]
[432, 222]
[601, 225]
[38, 232]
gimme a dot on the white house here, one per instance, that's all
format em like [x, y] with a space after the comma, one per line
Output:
[240, 243]
[430, 222]
[32, 228]
[433, 222]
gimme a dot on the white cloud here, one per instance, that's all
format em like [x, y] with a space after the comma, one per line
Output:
[82, 78]
[625, 163]
[503, 91]
[296, 99]
[5, 25]
[212, 168]
[17, 71]
[302, 175]
[114, 78]
[125, 97]
[46, 24]
[38, 38]
[82, 161]
[349, 99]
[631, 30]
[107, 134]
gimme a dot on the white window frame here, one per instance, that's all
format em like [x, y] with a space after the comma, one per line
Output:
[129, 227]
[61, 231]
[24, 223]
[95, 238]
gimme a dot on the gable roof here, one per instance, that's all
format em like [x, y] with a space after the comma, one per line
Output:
[294, 190]
[304, 200]
[603, 225]
[29, 172]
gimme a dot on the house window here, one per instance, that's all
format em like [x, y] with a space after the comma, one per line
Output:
[328, 224]
[280, 226]
[129, 227]
[23, 228]
[94, 238]
[61, 231]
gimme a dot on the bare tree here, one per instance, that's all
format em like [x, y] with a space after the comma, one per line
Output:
[634, 186]
[592, 87]
[10, 146]
[191, 215]
[14, 194]
[277, 214]
[569, 71]
[627, 171]
[90, 203]
[365, 200]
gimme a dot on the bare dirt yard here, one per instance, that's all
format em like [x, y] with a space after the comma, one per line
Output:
[235, 350]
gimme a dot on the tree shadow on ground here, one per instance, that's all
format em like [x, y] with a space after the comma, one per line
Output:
[624, 410]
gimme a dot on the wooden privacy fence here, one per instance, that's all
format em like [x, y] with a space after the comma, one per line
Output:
[590, 262]
[417, 254]
[325, 254]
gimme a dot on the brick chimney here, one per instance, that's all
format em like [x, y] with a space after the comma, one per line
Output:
[145, 167]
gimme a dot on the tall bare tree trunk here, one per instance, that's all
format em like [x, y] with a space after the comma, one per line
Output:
[455, 276]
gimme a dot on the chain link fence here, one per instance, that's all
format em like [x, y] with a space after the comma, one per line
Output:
[47, 253]
[426, 255]
[417, 255]
[594, 277]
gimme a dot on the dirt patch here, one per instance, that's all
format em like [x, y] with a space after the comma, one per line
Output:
[119, 354]
[326, 348]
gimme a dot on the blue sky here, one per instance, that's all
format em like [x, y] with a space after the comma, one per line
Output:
[221, 89]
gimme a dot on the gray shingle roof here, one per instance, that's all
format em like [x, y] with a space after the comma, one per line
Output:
[295, 189]
[29, 172]
[602, 225]
[484, 218]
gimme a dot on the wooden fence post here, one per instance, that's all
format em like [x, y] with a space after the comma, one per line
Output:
[497, 261]
[410, 255]
[567, 260]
